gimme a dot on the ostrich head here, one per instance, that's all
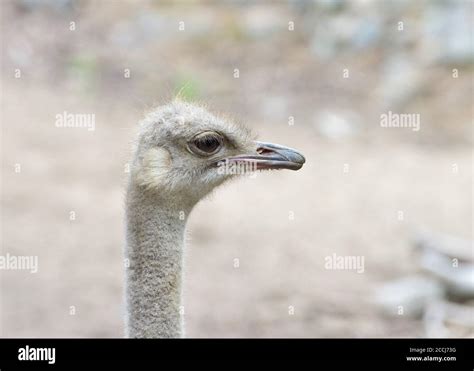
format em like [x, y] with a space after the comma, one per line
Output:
[184, 151]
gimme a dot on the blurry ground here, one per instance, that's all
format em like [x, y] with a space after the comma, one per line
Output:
[281, 74]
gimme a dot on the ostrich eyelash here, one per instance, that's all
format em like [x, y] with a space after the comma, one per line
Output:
[204, 138]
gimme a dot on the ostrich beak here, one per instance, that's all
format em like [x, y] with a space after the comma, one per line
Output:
[271, 156]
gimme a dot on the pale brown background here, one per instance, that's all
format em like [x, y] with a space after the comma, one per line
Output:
[282, 74]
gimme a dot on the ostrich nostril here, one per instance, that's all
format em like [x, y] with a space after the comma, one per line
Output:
[263, 151]
[286, 153]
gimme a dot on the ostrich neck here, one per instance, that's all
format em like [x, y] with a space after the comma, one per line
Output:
[155, 244]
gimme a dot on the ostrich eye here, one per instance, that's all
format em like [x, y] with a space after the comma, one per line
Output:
[206, 143]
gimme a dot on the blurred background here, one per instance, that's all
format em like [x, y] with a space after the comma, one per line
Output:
[313, 75]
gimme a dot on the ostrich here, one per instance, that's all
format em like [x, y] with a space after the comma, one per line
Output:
[177, 161]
